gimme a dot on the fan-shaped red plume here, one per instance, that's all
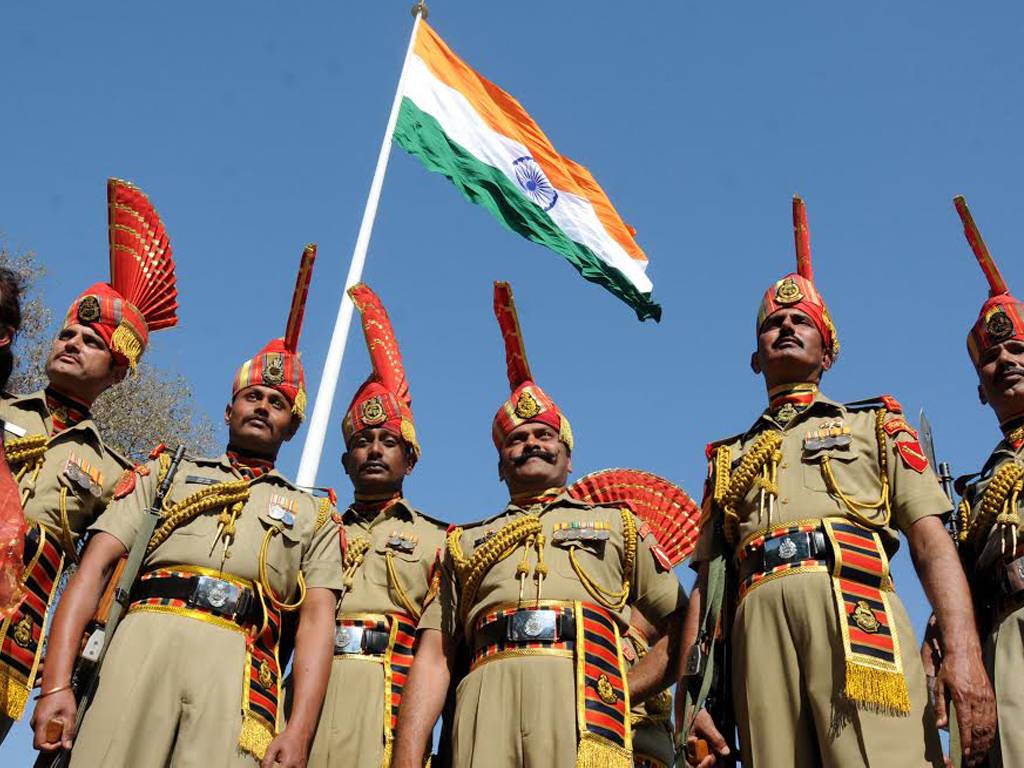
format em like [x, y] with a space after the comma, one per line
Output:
[381, 342]
[996, 284]
[298, 309]
[670, 512]
[803, 239]
[141, 264]
[508, 322]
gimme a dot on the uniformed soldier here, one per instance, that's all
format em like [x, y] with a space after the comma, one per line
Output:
[990, 510]
[12, 518]
[192, 676]
[390, 552]
[806, 506]
[65, 471]
[540, 594]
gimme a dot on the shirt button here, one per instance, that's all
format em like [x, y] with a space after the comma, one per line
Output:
[784, 501]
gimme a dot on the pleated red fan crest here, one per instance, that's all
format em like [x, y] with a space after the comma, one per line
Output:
[669, 510]
[381, 343]
[508, 322]
[298, 309]
[141, 263]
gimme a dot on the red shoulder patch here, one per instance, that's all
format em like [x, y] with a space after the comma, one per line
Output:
[912, 455]
[157, 450]
[898, 424]
[644, 530]
[451, 527]
[709, 450]
[892, 405]
[125, 484]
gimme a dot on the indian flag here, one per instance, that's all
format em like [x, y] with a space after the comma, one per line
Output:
[465, 127]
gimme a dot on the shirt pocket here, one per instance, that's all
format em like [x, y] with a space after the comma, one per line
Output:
[284, 550]
[855, 470]
[407, 565]
[589, 555]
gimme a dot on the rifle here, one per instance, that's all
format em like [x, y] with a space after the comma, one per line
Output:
[707, 682]
[86, 677]
[944, 473]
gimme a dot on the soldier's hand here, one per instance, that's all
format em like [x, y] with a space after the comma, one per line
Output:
[53, 721]
[962, 680]
[705, 744]
[288, 750]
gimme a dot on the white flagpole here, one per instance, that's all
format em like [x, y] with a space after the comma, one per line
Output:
[318, 422]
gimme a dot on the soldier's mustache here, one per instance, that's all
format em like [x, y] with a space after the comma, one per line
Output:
[546, 455]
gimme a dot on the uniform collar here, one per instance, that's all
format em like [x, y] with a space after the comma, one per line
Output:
[36, 401]
[547, 501]
[224, 463]
[820, 404]
[400, 507]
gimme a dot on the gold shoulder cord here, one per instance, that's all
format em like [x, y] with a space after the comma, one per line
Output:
[857, 508]
[759, 466]
[471, 570]
[998, 507]
[268, 590]
[395, 583]
[323, 512]
[25, 454]
[231, 495]
[615, 601]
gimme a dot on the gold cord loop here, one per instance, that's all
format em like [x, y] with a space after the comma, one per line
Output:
[268, 590]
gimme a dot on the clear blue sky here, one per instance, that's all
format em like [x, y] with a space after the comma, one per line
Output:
[254, 128]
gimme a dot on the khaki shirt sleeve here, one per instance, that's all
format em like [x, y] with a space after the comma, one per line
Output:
[913, 494]
[321, 561]
[122, 517]
[656, 592]
[442, 609]
[703, 550]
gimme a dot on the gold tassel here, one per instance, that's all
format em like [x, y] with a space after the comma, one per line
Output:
[881, 690]
[126, 342]
[255, 737]
[385, 761]
[595, 752]
[13, 694]
[299, 406]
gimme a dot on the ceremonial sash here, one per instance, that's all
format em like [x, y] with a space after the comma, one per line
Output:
[261, 688]
[602, 698]
[861, 584]
[397, 661]
[21, 634]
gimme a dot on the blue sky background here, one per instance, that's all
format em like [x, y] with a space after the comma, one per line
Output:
[254, 128]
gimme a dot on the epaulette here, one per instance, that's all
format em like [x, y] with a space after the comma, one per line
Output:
[323, 512]
[157, 450]
[888, 402]
[442, 524]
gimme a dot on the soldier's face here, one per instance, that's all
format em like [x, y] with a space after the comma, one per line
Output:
[790, 349]
[533, 459]
[259, 419]
[1001, 378]
[377, 461]
[80, 364]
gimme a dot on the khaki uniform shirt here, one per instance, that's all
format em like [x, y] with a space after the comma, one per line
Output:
[300, 546]
[80, 445]
[655, 592]
[411, 540]
[988, 548]
[803, 495]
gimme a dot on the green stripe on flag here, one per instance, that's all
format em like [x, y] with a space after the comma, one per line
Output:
[422, 136]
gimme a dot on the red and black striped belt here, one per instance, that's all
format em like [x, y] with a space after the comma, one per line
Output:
[223, 598]
[549, 626]
[783, 548]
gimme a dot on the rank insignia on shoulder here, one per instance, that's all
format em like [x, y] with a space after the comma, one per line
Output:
[912, 455]
[896, 425]
[84, 475]
[831, 434]
[577, 530]
[481, 539]
[200, 480]
[403, 542]
[892, 405]
[661, 560]
[125, 484]
[283, 510]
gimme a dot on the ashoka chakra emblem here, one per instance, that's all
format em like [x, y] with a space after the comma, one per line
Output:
[534, 183]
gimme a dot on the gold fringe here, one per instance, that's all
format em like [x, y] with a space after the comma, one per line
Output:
[385, 761]
[13, 694]
[596, 752]
[255, 737]
[125, 341]
[881, 690]
[299, 406]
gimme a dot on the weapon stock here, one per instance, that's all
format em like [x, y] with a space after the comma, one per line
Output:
[87, 679]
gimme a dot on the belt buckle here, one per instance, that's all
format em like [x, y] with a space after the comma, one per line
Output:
[533, 626]
[788, 548]
[216, 595]
[348, 640]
